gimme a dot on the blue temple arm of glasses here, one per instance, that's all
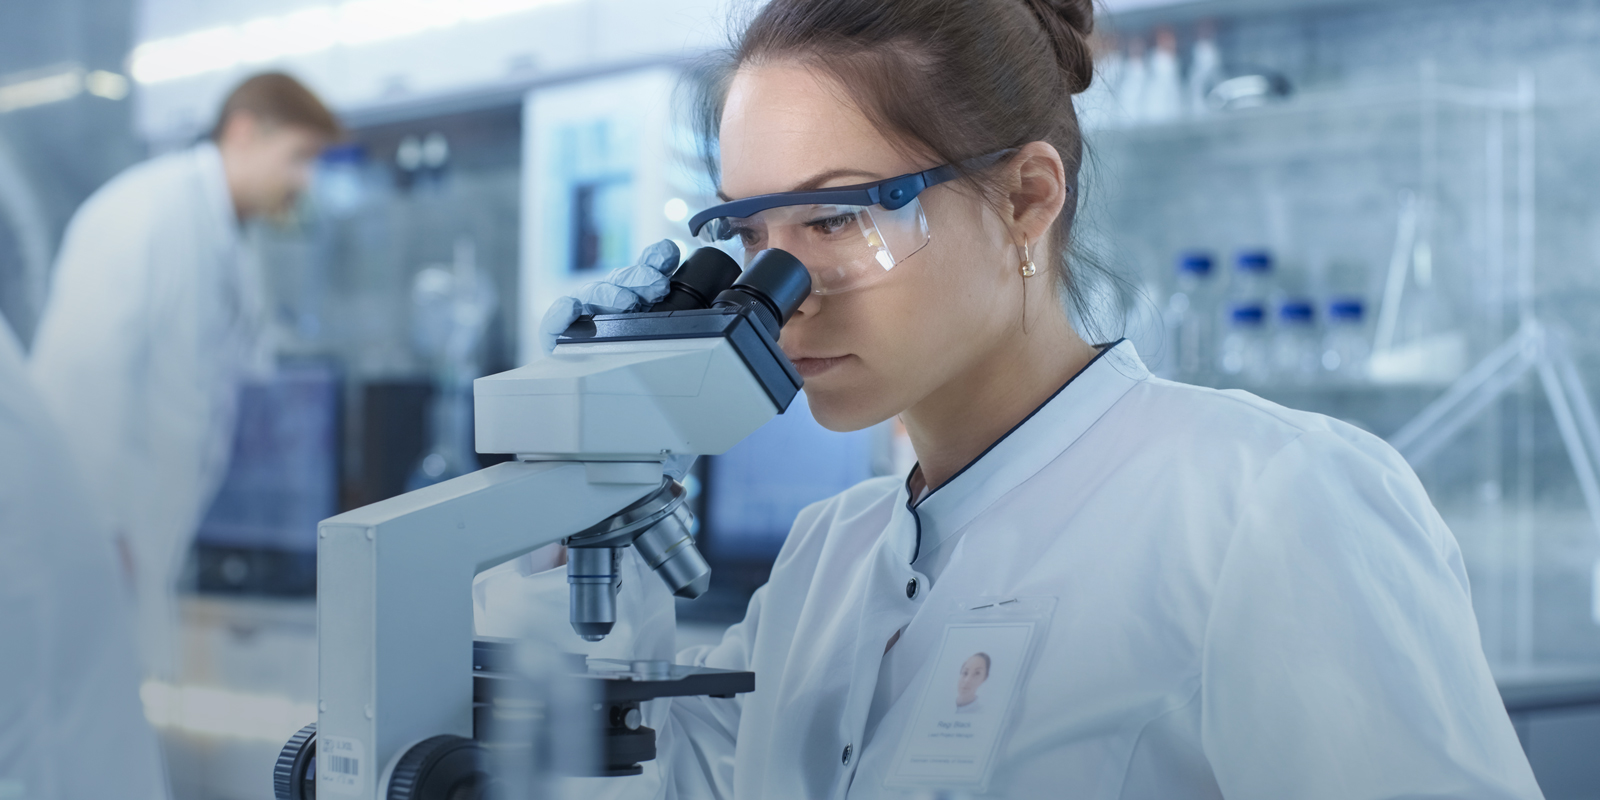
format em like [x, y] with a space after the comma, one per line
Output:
[892, 194]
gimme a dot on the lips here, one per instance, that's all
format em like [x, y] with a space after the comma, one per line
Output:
[812, 367]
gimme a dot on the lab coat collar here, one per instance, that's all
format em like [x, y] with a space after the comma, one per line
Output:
[1034, 442]
[219, 201]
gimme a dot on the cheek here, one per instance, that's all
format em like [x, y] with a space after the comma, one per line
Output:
[941, 312]
[907, 336]
[918, 329]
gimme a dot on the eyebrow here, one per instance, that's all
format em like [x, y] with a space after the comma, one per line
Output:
[816, 181]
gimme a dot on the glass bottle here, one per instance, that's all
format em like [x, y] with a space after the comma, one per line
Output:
[1296, 351]
[1243, 353]
[1189, 314]
[1345, 347]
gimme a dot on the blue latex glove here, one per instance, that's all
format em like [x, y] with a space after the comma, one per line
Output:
[625, 289]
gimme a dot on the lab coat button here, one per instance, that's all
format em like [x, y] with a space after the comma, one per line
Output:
[911, 589]
[846, 757]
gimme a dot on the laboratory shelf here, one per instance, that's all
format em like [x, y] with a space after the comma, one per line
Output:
[1394, 98]
[1549, 688]
[1132, 15]
[1377, 408]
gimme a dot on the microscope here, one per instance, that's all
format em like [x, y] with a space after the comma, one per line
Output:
[402, 684]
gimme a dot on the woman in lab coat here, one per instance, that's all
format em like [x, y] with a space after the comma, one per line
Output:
[1184, 593]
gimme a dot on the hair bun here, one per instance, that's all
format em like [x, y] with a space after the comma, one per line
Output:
[1067, 24]
[1077, 13]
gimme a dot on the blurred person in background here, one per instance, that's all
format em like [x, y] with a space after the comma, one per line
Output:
[71, 727]
[155, 318]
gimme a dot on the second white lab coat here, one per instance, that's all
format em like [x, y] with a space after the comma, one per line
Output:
[1251, 603]
[71, 725]
[153, 320]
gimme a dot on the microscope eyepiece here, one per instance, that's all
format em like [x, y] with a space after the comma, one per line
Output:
[706, 273]
[774, 287]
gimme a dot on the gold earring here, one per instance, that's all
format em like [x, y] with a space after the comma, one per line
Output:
[1028, 269]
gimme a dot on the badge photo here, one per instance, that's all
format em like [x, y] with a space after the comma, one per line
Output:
[969, 693]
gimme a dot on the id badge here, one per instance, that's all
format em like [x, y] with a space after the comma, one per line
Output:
[970, 693]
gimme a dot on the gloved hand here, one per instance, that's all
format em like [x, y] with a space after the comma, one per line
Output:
[625, 289]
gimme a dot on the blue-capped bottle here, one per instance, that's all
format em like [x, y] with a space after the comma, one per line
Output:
[1190, 311]
[1345, 347]
[1252, 277]
[1242, 351]
[1296, 348]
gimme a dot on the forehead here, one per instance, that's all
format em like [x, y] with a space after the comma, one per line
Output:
[784, 123]
[292, 135]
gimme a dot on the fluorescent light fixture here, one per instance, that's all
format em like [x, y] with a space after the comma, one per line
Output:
[40, 87]
[191, 54]
[363, 21]
[54, 84]
[486, 9]
[109, 85]
[210, 711]
[306, 31]
[348, 24]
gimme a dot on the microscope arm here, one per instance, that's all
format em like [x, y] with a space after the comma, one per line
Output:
[394, 609]
[590, 426]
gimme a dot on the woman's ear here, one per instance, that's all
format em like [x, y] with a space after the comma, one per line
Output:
[1037, 191]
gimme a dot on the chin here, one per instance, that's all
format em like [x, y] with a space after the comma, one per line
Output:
[843, 412]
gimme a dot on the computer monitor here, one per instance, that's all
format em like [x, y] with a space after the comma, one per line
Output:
[752, 493]
[260, 534]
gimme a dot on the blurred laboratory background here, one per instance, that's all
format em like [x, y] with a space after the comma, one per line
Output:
[1383, 210]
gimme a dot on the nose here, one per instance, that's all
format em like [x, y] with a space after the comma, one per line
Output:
[810, 306]
[799, 322]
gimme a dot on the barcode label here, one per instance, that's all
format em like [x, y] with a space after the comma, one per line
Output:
[341, 764]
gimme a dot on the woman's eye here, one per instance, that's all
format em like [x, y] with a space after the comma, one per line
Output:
[833, 224]
[746, 236]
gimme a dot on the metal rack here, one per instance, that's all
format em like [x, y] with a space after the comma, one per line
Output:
[1533, 348]
[1493, 244]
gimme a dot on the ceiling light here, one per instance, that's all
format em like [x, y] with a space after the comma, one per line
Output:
[109, 85]
[35, 89]
[183, 56]
[352, 23]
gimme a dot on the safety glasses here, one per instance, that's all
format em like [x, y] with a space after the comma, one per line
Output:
[847, 236]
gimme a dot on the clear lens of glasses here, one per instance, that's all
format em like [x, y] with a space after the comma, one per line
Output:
[843, 247]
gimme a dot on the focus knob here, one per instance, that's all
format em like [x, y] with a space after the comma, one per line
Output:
[441, 768]
[294, 777]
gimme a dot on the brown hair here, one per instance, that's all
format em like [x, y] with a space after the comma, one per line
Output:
[946, 79]
[278, 97]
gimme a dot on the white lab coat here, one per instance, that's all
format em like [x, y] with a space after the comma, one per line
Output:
[1250, 602]
[71, 726]
[153, 319]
